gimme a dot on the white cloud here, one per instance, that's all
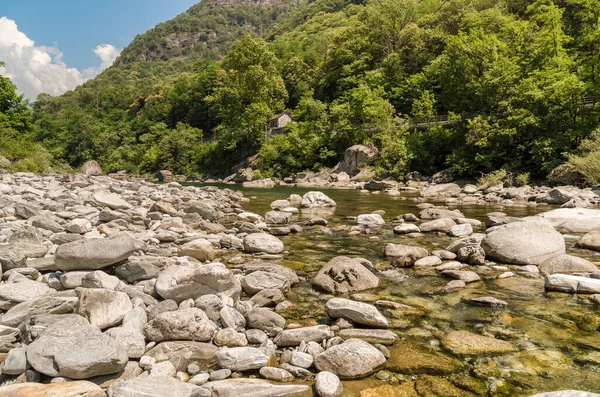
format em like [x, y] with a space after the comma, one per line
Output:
[36, 69]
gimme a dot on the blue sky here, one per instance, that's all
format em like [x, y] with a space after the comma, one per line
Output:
[69, 33]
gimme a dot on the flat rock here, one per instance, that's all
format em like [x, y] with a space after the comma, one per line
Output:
[110, 200]
[241, 358]
[343, 274]
[80, 388]
[260, 280]
[571, 284]
[352, 359]
[201, 353]
[74, 349]
[573, 220]
[443, 225]
[157, 386]
[566, 264]
[523, 243]
[93, 254]
[357, 312]
[467, 343]
[43, 305]
[566, 393]
[23, 291]
[467, 276]
[411, 358]
[383, 336]
[488, 301]
[253, 388]
[295, 336]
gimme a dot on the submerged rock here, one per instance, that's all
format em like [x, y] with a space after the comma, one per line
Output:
[353, 359]
[467, 343]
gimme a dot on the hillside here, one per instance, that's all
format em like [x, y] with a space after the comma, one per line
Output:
[517, 81]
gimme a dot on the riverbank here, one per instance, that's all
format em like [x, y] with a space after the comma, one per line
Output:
[194, 289]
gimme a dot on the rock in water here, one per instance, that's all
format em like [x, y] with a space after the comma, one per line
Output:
[357, 312]
[572, 284]
[566, 264]
[262, 242]
[590, 241]
[316, 199]
[74, 349]
[573, 220]
[352, 359]
[93, 254]
[566, 393]
[523, 243]
[157, 386]
[328, 384]
[467, 343]
[342, 274]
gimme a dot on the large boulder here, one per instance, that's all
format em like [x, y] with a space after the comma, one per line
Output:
[443, 190]
[357, 312]
[93, 254]
[74, 349]
[573, 220]
[352, 359]
[187, 282]
[358, 156]
[316, 199]
[91, 168]
[370, 220]
[529, 242]
[566, 264]
[262, 242]
[342, 274]
[110, 200]
[157, 386]
[188, 324]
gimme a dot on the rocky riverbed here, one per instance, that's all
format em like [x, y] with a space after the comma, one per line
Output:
[125, 288]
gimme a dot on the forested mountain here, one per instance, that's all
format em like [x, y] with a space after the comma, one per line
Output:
[518, 80]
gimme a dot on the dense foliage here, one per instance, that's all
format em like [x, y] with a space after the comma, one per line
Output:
[194, 94]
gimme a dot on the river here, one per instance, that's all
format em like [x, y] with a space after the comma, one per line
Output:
[556, 335]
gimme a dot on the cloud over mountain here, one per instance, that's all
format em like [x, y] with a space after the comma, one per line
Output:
[36, 69]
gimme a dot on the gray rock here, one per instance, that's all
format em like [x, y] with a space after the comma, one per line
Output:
[523, 243]
[295, 336]
[80, 226]
[572, 284]
[99, 279]
[590, 241]
[370, 220]
[93, 254]
[188, 324]
[22, 291]
[15, 362]
[262, 242]
[343, 274]
[230, 317]
[566, 264]
[278, 218]
[205, 209]
[229, 337]
[316, 199]
[443, 225]
[68, 389]
[91, 168]
[265, 320]
[328, 384]
[573, 220]
[352, 359]
[464, 275]
[461, 230]
[488, 301]
[405, 255]
[157, 386]
[74, 349]
[276, 374]
[566, 393]
[203, 354]
[357, 312]
[241, 358]
[357, 156]
[406, 228]
[43, 305]
[253, 388]
[200, 249]
[103, 308]
[382, 336]
[182, 282]
[220, 374]
[132, 339]
[300, 359]
[428, 261]
[110, 200]
[268, 297]
[443, 190]
[211, 305]
[253, 266]
[261, 280]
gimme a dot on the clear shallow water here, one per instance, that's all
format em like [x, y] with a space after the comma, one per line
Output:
[556, 334]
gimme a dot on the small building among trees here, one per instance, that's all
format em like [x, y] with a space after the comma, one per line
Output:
[276, 125]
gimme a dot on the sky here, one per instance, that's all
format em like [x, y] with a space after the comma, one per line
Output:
[52, 46]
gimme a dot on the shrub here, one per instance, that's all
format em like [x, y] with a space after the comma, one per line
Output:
[493, 178]
[522, 179]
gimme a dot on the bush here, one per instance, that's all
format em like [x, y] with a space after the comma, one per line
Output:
[493, 178]
[588, 162]
[522, 179]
